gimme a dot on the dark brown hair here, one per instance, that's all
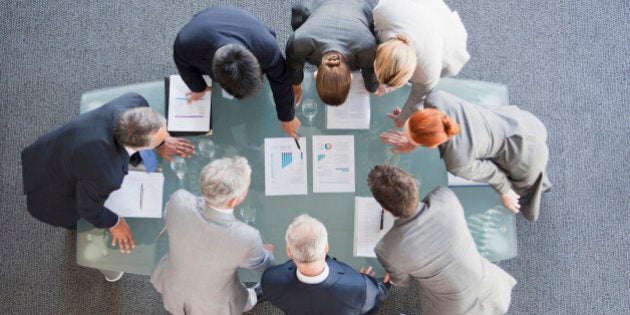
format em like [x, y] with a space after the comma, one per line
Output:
[394, 189]
[333, 79]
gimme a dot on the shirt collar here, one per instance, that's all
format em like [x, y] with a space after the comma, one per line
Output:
[129, 150]
[222, 210]
[316, 279]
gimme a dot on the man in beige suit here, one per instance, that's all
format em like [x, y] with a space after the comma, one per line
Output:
[207, 244]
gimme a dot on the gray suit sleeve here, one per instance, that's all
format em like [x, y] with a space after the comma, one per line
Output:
[258, 258]
[484, 171]
[414, 101]
[297, 50]
[400, 278]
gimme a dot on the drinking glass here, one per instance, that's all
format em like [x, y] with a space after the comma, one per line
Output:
[178, 164]
[248, 214]
[309, 109]
[207, 148]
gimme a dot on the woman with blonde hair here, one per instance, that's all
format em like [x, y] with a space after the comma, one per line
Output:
[336, 36]
[503, 146]
[420, 41]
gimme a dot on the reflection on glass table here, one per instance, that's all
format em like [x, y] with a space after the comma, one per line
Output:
[240, 127]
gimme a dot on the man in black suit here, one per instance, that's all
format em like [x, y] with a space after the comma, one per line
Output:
[234, 48]
[313, 283]
[69, 172]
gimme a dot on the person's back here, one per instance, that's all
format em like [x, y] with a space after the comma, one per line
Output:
[207, 244]
[436, 249]
[313, 283]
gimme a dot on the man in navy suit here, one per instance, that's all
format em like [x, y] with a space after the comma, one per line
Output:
[69, 172]
[234, 48]
[313, 283]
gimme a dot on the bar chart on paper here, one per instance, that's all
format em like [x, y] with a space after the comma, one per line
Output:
[285, 167]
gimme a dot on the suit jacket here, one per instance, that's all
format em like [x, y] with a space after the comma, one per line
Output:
[69, 172]
[199, 273]
[217, 26]
[345, 291]
[436, 33]
[435, 248]
[503, 146]
[344, 26]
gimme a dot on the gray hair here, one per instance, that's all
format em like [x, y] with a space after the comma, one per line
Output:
[224, 179]
[135, 127]
[307, 238]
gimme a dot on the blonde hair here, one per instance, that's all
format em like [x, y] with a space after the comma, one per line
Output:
[333, 79]
[395, 61]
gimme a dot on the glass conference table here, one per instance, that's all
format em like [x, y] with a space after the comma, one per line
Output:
[240, 127]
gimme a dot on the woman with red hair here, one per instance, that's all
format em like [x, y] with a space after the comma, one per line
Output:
[503, 146]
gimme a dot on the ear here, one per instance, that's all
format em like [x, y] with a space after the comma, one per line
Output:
[289, 253]
[326, 248]
[232, 203]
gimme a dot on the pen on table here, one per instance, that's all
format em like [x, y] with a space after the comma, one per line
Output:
[141, 194]
[382, 215]
[161, 233]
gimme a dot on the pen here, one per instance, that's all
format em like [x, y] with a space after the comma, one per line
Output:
[161, 233]
[298, 144]
[382, 215]
[141, 194]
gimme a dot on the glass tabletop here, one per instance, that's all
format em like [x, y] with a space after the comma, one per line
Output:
[240, 127]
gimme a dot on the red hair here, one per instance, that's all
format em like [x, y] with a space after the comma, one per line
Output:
[431, 127]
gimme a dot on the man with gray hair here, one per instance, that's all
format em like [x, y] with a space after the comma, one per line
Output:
[69, 172]
[207, 245]
[313, 283]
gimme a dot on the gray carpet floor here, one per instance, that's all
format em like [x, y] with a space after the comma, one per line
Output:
[566, 61]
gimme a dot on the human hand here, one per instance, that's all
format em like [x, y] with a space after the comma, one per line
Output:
[398, 140]
[394, 116]
[387, 279]
[193, 96]
[297, 94]
[179, 146]
[367, 271]
[269, 247]
[382, 90]
[121, 233]
[291, 127]
[510, 200]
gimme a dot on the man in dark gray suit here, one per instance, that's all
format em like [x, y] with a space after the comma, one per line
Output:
[431, 244]
[69, 172]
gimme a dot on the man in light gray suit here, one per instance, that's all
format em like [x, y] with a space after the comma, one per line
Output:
[207, 244]
[430, 243]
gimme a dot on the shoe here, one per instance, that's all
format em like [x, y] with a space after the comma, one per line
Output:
[259, 292]
[115, 277]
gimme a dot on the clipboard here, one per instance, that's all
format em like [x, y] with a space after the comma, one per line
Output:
[195, 118]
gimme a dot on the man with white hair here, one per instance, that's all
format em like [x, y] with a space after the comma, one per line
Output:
[207, 244]
[313, 283]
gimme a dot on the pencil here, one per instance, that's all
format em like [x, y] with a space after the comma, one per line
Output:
[382, 215]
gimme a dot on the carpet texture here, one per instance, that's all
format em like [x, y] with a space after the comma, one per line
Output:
[568, 62]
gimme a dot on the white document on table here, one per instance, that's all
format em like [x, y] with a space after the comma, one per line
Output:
[455, 181]
[140, 196]
[285, 167]
[333, 164]
[184, 116]
[354, 113]
[367, 225]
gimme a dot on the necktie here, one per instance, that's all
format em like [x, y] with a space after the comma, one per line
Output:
[149, 159]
